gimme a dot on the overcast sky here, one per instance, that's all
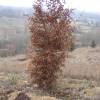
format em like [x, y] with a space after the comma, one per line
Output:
[83, 5]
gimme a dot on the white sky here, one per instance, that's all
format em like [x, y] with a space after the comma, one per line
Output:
[83, 5]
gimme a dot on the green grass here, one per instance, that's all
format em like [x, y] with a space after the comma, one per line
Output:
[13, 79]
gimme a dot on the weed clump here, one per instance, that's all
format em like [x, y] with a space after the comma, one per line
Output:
[13, 79]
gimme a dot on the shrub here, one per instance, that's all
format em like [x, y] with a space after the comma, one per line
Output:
[51, 30]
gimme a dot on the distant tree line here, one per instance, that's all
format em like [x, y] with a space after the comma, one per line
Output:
[14, 12]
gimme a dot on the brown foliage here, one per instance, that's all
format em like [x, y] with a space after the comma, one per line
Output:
[51, 34]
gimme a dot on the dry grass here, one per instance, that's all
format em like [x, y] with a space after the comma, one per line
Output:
[13, 64]
[33, 97]
[83, 63]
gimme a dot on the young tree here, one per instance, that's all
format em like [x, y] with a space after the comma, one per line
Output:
[72, 44]
[93, 44]
[51, 30]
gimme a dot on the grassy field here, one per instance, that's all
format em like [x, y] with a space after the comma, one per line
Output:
[11, 23]
[82, 62]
